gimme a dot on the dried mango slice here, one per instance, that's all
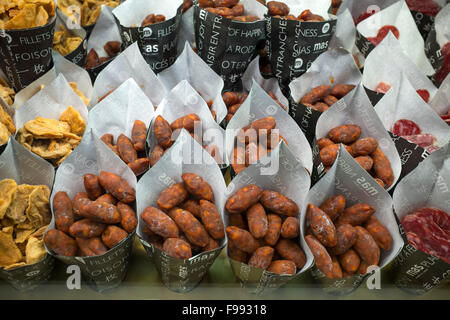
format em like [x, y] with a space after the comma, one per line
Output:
[6, 119]
[38, 211]
[16, 210]
[4, 134]
[74, 87]
[64, 42]
[34, 251]
[9, 252]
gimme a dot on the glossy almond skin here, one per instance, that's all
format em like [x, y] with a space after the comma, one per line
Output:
[337, 270]
[197, 186]
[90, 247]
[160, 223]
[172, 196]
[113, 235]
[212, 245]
[356, 214]
[350, 261]
[191, 227]
[243, 199]
[278, 203]
[382, 167]
[92, 186]
[242, 239]
[152, 237]
[329, 154]
[225, 3]
[187, 122]
[212, 220]
[60, 243]
[267, 123]
[156, 154]
[126, 149]
[261, 258]
[316, 94]
[290, 228]
[290, 250]
[230, 98]
[107, 138]
[86, 229]
[321, 256]
[366, 247]
[340, 90]
[379, 232]
[117, 186]
[274, 229]
[346, 238]
[334, 206]
[162, 132]
[330, 100]
[362, 268]
[364, 147]
[80, 203]
[321, 226]
[107, 198]
[282, 267]
[139, 166]
[139, 135]
[62, 208]
[237, 220]
[193, 206]
[177, 248]
[128, 221]
[346, 134]
[257, 221]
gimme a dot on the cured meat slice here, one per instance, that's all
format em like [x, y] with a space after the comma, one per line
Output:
[383, 32]
[405, 127]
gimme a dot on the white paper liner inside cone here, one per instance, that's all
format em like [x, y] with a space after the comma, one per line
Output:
[105, 30]
[282, 172]
[128, 64]
[335, 66]
[358, 7]
[345, 34]
[355, 108]
[260, 105]
[71, 72]
[118, 111]
[349, 179]
[131, 13]
[386, 63]
[316, 7]
[190, 67]
[50, 103]
[269, 85]
[183, 100]
[426, 186]
[187, 31]
[442, 26]
[402, 102]
[410, 39]
[441, 100]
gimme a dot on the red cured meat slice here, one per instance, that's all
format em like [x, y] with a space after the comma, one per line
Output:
[364, 16]
[384, 30]
[424, 94]
[427, 229]
[427, 7]
[423, 140]
[383, 87]
[405, 127]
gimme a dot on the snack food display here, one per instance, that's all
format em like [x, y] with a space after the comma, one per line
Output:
[26, 14]
[428, 230]
[131, 151]
[6, 92]
[53, 139]
[263, 230]
[345, 240]
[89, 10]
[364, 150]
[185, 220]
[94, 221]
[281, 10]
[112, 48]
[24, 216]
[254, 141]
[322, 97]
[152, 19]
[64, 42]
